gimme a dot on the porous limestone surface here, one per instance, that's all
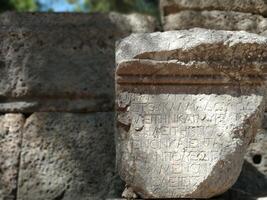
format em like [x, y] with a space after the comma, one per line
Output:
[247, 6]
[185, 113]
[220, 20]
[67, 156]
[61, 62]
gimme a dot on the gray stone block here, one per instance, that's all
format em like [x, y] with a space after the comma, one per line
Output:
[220, 20]
[247, 6]
[61, 62]
[67, 156]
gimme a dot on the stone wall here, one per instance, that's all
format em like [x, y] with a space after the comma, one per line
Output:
[57, 97]
[56, 104]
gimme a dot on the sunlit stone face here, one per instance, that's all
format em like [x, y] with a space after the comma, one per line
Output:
[175, 141]
[184, 121]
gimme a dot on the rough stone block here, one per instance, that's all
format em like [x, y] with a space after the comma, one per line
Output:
[10, 148]
[67, 156]
[61, 62]
[185, 113]
[248, 6]
[220, 20]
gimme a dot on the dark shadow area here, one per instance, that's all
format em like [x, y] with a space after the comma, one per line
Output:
[250, 185]
[257, 159]
[251, 181]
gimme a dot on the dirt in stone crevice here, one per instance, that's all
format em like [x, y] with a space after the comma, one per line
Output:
[125, 127]
[26, 116]
[60, 196]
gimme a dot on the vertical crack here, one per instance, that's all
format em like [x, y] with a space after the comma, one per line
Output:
[26, 116]
[19, 164]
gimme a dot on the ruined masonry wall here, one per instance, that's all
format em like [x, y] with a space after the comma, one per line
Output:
[57, 97]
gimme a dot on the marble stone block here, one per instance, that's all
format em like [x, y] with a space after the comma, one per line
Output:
[188, 105]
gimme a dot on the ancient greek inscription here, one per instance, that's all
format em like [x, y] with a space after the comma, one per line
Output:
[174, 139]
[188, 103]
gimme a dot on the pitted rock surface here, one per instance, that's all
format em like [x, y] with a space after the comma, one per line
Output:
[61, 62]
[67, 156]
[185, 113]
[10, 147]
[246, 6]
[220, 20]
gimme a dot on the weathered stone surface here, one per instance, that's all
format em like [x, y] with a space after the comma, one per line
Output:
[230, 195]
[257, 153]
[185, 113]
[185, 43]
[67, 156]
[220, 20]
[251, 185]
[248, 6]
[61, 62]
[10, 143]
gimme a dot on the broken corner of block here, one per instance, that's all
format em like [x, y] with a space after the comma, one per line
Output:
[188, 105]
